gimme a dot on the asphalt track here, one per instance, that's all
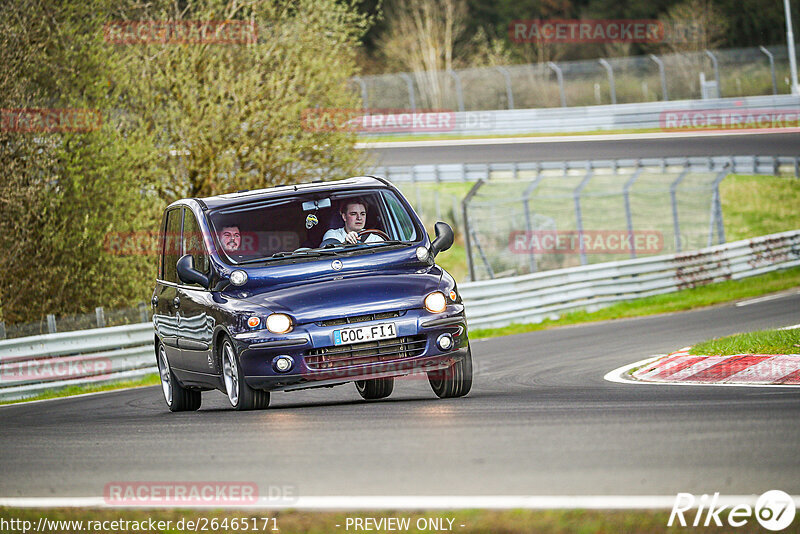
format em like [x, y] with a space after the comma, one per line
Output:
[581, 148]
[540, 420]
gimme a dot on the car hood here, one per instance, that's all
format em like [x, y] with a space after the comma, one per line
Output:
[348, 295]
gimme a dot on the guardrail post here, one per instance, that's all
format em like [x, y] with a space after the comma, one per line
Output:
[459, 92]
[2, 329]
[673, 197]
[51, 324]
[143, 312]
[100, 316]
[410, 86]
[467, 229]
[417, 198]
[560, 78]
[509, 92]
[663, 75]
[716, 72]
[579, 217]
[797, 167]
[771, 68]
[364, 94]
[611, 83]
[628, 215]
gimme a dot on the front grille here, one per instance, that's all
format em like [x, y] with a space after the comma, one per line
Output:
[360, 318]
[365, 353]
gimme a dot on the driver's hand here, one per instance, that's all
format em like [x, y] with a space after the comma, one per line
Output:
[351, 238]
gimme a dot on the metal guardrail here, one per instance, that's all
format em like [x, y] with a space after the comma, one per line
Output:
[34, 364]
[472, 172]
[534, 297]
[30, 365]
[646, 115]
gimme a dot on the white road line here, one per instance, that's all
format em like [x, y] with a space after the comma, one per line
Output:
[563, 138]
[92, 394]
[402, 502]
[765, 299]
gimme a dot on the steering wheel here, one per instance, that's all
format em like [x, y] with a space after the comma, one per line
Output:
[367, 231]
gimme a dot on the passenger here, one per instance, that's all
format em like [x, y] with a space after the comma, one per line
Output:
[231, 238]
[354, 215]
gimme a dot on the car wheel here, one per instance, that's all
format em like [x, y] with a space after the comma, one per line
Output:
[455, 381]
[376, 388]
[240, 395]
[179, 399]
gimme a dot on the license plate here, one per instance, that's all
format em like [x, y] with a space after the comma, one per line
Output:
[364, 333]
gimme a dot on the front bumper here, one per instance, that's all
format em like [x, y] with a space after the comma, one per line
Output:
[257, 353]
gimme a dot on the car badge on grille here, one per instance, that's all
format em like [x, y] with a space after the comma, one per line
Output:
[337, 265]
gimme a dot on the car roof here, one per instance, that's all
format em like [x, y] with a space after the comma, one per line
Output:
[245, 197]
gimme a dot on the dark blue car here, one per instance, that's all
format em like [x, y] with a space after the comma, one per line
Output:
[302, 286]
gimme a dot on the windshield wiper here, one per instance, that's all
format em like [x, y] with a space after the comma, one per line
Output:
[310, 253]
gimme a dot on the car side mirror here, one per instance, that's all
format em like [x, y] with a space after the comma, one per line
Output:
[444, 238]
[188, 274]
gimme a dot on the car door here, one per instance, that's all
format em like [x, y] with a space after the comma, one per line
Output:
[196, 324]
[165, 319]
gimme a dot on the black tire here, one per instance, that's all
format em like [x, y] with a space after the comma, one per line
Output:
[455, 381]
[375, 388]
[240, 395]
[177, 397]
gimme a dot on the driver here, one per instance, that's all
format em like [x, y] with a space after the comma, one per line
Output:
[354, 215]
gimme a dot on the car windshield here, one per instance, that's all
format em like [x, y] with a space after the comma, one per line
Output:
[312, 225]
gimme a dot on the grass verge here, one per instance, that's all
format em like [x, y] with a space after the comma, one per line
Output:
[147, 380]
[761, 342]
[296, 522]
[687, 299]
[449, 137]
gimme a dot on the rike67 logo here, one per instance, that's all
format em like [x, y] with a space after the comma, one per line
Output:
[774, 510]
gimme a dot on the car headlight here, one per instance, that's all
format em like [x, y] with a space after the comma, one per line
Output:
[238, 278]
[279, 323]
[435, 302]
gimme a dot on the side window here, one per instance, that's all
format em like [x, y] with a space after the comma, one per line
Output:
[172, 244]
[162, 233]
[401, 217]
[193, 243]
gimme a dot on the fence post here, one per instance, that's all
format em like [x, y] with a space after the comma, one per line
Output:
[673, 188]
[363, 85]
[100, 316]
[410, 86]
[578, 216]
[459, 91]
[660, 64]
[143, 311]
[716, 209]
[716, 72]
[51, 324]
[771, 68]
[560, 78]
[467, 229]
[2, 329]
[611, 83]
[628, 215]
[526, 197]
[509, 92]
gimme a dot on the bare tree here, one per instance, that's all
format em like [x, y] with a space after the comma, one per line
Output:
[421, 38]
